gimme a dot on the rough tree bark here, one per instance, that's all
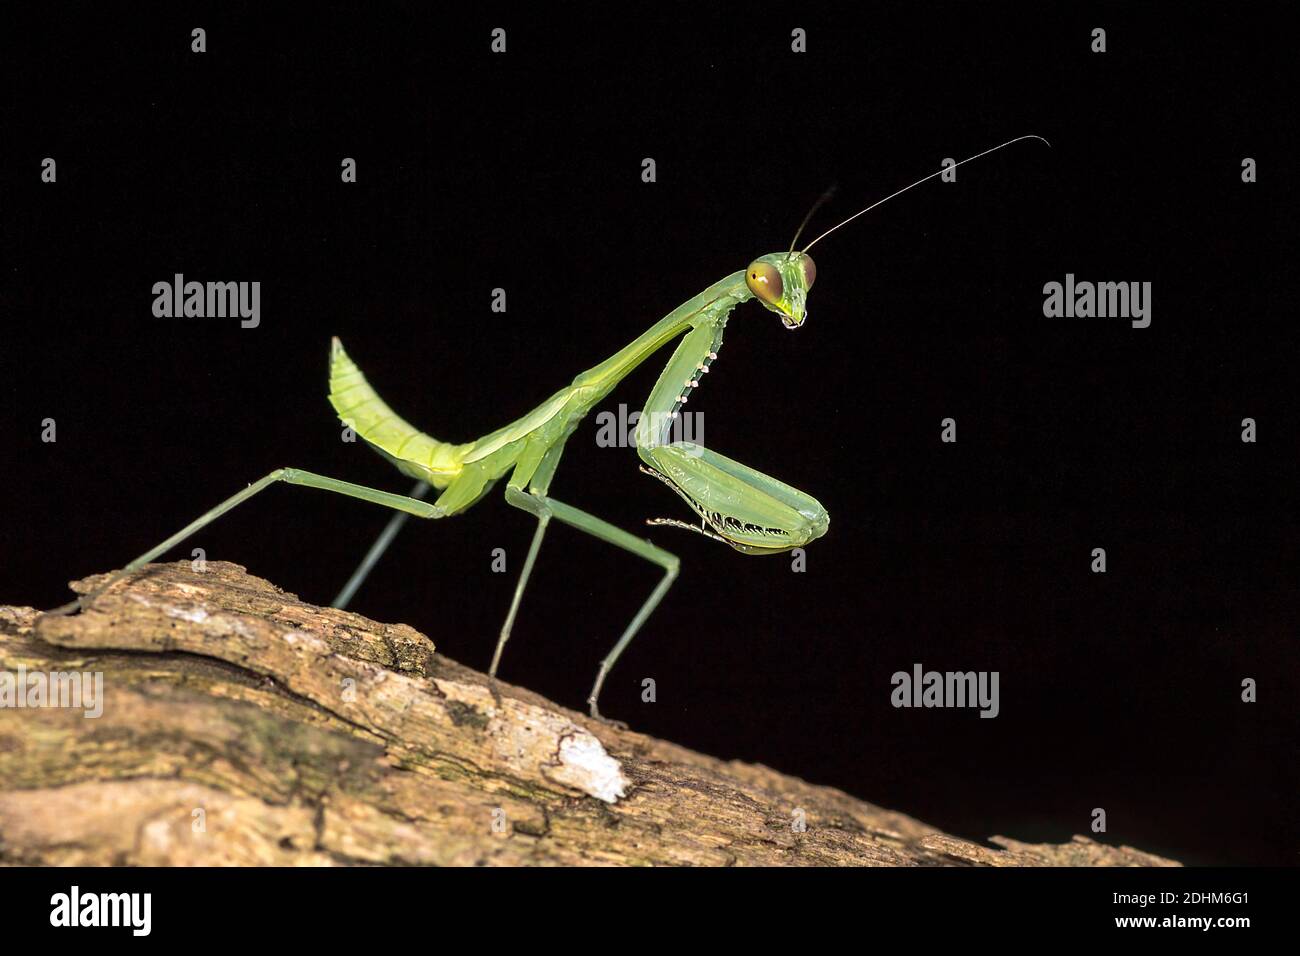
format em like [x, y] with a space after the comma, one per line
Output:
[243, 726]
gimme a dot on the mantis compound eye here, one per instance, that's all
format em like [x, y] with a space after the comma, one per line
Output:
[809, 270]
[764, 280]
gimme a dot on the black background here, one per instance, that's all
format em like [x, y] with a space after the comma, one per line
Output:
[522, 171]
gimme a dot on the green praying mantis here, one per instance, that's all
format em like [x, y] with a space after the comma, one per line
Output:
[736, 505]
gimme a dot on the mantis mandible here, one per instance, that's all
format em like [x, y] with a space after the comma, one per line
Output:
[736, 505]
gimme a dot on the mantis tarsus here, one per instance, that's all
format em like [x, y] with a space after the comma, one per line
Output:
[737, 505]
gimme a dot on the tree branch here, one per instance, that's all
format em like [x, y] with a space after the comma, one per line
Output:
[241, 725]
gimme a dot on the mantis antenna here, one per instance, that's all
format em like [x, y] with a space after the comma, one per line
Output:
[917, 183]
[830, 191]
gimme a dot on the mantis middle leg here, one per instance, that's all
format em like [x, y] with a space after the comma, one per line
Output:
[536, 502]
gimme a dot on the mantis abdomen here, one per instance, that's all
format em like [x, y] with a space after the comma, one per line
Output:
[411, 450]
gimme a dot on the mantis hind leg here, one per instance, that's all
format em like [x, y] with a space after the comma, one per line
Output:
[345, 595]
[546, 508]
[466, 489]
[291, 476]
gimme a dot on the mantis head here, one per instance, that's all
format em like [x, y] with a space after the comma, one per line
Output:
[781, 282]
